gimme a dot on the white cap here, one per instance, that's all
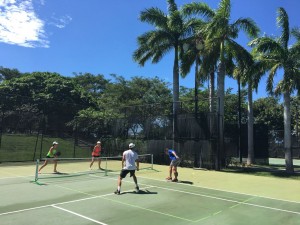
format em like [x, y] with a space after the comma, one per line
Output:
[98, 142]
[131, 145]
[55, 143]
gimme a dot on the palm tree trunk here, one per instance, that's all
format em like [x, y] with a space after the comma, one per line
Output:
[221, 96]
[250, 159]
[212, 117]
[287, 133]
[211, 90]
[196, 88]
[175, 96]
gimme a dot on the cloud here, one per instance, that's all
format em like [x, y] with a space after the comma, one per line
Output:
[19, 24]
[61, 22]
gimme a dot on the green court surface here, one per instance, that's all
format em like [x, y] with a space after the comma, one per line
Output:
[200, 197]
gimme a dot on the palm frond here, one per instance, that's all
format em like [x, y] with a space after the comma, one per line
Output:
[296, 33]
[266, 45]
[172, 7]
[248, 26]
[198, 8]
[270, 79]
[224, 9]
[186, 62]
[283, 23]
[241, 55]
[155, 17]
[175, 22]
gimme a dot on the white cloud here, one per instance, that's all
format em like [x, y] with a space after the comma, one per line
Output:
[19, 24]
[61, 22]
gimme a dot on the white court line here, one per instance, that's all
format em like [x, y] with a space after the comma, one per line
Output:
[233, 192]
[228, 200]
[60, 203]
[170, 189]
[77, 214]
[222, 199]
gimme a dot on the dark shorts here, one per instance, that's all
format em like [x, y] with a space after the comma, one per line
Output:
[51, 158]
[96, 156]
[124, 173]
[175, 162]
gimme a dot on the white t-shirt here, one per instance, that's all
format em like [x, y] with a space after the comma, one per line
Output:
[130, 158]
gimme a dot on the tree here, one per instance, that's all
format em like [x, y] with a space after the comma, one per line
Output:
[194, 46]
[7, 74]
[94, 84]
[268, 111]
[44, 93]
[135, 103]
[278, 55]
[220, 35]
[170, 30]
[249, 73]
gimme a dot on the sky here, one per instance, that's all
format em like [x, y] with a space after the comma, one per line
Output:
[99, 36]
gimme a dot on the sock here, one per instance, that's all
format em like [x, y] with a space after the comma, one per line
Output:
[119, 188]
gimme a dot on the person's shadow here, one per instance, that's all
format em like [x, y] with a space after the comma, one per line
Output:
[140, 192]
[185, 182]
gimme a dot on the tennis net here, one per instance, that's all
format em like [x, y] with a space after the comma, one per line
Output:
[71, 167]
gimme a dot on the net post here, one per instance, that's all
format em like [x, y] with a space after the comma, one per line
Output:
[36, 170]
[151, 161]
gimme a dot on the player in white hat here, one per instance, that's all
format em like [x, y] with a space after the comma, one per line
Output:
[130, 158]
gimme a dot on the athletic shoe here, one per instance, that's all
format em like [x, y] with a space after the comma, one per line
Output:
[174, 180]
[137, 189]
[117, 192]
[169, 178]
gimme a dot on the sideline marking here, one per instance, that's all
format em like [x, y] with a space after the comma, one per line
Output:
[229, 200]
[77, 214]
[222, 199]
[216, 189]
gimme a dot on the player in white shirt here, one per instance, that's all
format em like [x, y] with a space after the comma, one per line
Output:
[130, 158]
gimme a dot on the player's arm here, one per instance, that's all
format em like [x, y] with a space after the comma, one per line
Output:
[137, 164]
[174, 153]
[123, 160]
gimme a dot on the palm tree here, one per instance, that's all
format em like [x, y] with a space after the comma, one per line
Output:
[278, 55]
[220, 34]
[170, 30]
[194, 46]
[250, 73]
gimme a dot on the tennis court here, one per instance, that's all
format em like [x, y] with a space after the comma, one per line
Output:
[200, 197]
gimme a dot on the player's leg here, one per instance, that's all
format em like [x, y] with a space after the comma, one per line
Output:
[55, 165]
[175, 165]
[170, 172]
[45, 164]
[93, 159]
[99, 162]
[175, 174]
[135, 180]
[123, 174]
